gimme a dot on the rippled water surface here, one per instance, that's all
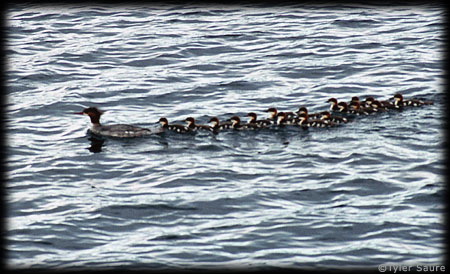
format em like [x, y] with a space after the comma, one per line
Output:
[366, 193]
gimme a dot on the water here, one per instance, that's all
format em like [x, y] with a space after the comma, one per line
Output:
[367, 193]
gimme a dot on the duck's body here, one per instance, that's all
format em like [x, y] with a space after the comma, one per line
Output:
[121, 131]
[118, 130]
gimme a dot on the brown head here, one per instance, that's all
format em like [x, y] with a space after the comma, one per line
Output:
[325, 115]
[235, 120]
[252, 116]
[333, 101]
[302, 110]
[93, 113]
[281, 117]
[190, 122]
[214, 121]
[354, 105]
[376, 104]
[369, 100]
[273, 112]
[398, 97]
[343, 107]
[163, 121]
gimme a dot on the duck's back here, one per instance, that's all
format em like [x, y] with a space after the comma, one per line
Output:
[122, 130]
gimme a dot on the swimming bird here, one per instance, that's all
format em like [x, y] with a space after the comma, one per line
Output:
[326, 115]
[194, 127]
[217, 126]
[273, 112]
[383, 104]
[284, 120]
[356, 108]
[118, 130]
[334, 104]
[172, 127]
[259, 123]
[400, 102]
[305, 122]
[310, 115]
[236, 124]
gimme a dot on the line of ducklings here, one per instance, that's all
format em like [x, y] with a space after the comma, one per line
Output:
[301, 117]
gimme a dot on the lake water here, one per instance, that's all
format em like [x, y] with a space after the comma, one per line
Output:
[367, 193]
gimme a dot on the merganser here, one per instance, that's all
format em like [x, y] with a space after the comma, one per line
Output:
[343, 107]
[217, 126]
[120, 130]
[258, 123]
[378, 107]
[356, 99]
[305, 122]
[326, 115]
[357, 109]
[383, 104]
[274, 112]
[305, 110]
[177, 128]
[283, 120]
[399, 102]
[334, 104]
[194, 127]
[236, 124]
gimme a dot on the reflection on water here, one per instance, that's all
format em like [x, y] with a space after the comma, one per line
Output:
[96, 144]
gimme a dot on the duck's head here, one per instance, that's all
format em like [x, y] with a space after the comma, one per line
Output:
[273, 112]
[93, 113]
[214, 121]
[252, 117]
[163, 121]
[235, 120]
[190, 121]
[302, 110]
